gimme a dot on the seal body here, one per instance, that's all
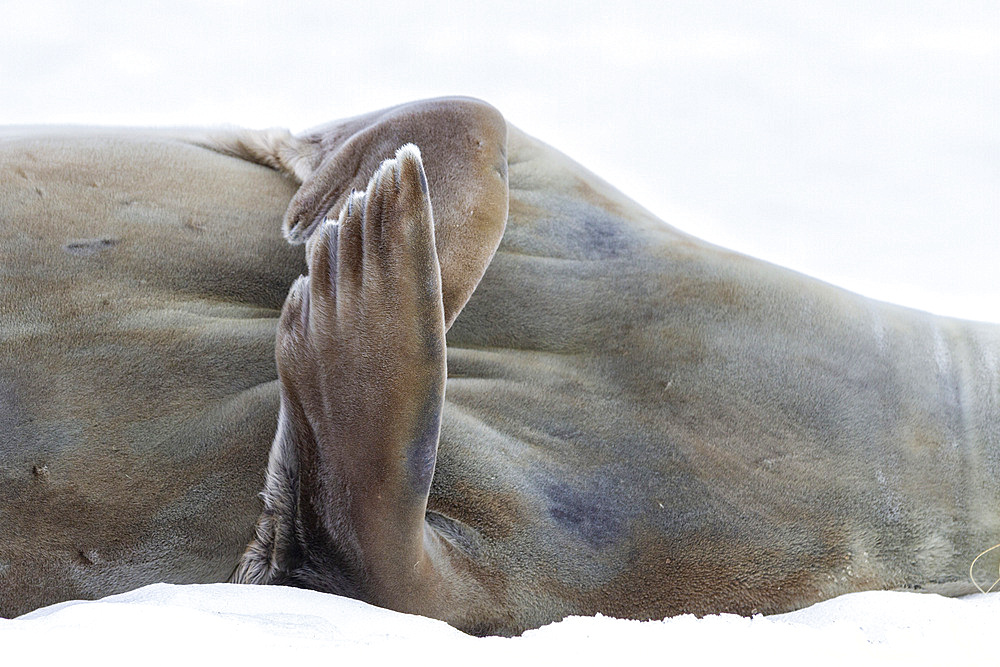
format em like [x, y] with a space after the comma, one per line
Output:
[696, 431]
[633, 422]
[142, 276]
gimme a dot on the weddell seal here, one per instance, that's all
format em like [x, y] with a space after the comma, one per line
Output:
[504, 393]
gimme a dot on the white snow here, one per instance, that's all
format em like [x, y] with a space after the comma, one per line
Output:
[206, 624]
[858, 142]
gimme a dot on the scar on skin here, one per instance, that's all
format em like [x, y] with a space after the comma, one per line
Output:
[86, 247]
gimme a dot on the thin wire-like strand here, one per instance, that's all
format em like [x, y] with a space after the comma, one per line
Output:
[973, 564]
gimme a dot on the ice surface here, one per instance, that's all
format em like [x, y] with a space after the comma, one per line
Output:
[229, 624]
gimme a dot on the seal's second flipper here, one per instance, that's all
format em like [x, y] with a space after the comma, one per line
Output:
[464, 144]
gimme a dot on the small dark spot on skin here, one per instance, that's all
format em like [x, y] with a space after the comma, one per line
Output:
[87, 247]
[87, 558]
[190, 223]
[40, 192]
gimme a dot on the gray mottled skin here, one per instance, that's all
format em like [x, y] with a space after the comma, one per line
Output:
[635, 422]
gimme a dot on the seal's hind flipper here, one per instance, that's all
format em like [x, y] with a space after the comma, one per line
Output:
[361, 361]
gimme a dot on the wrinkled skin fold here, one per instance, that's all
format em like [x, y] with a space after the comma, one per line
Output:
[488, 388]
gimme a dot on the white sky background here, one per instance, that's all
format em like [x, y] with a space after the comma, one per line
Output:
[855, 141]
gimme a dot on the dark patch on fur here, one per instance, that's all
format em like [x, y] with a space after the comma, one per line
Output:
[602, 238]
[572, 229]
[316, 562]
[421, 453]
[87, 247]
[588, 515]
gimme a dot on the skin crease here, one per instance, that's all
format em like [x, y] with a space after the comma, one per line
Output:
[503, 392]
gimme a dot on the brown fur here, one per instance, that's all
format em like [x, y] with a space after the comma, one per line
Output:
[619, 417]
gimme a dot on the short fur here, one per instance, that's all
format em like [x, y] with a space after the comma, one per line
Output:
[618, 417]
